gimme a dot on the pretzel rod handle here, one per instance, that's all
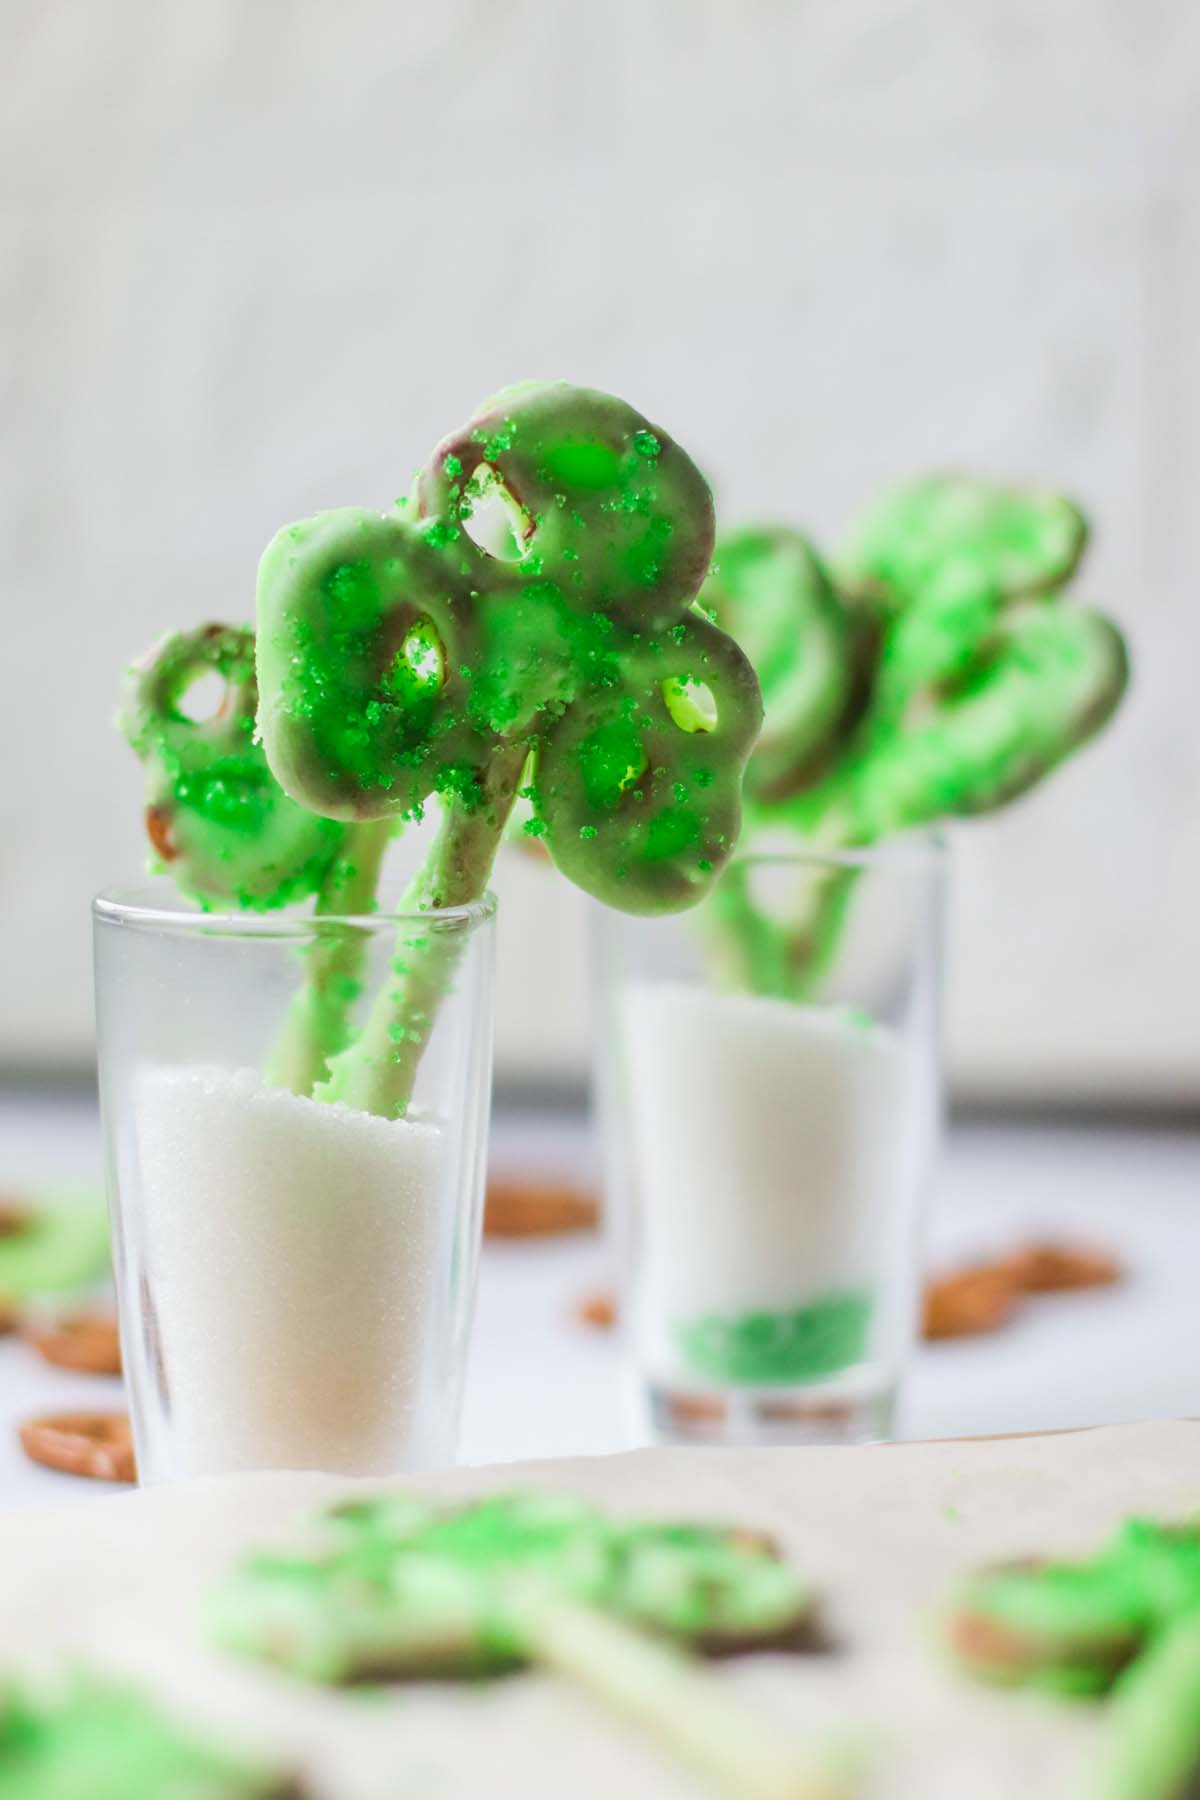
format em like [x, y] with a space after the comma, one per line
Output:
[317, 1025]
[692, 1713]
[377, 1071]
[1150, 1749]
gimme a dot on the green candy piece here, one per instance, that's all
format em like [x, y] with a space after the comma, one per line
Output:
[217, 819]
[1049, 678]
[395, 1588]
[607, 505]
[100, 1743]
[770, 591]
[53, 1250]
[638, 784]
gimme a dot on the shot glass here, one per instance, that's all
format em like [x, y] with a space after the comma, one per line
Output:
[769, 1099]
[295, 1278]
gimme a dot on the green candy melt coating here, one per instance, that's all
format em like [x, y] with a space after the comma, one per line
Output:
[950, 552]
[608, 506]
[770, 591]
[395, 1587]
[638, 784]
[1017, 541]
[218, 820]
[365, 629]
[1073, 1626]
[99, 1743]
[1048, 679]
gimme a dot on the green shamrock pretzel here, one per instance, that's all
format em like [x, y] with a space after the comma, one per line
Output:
[1125, 1622]
[394, 1587]
[215, 815]
[957, 678]
[398, 660]
[949, 552]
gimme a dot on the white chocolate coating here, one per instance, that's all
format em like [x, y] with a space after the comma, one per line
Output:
[290, 1253]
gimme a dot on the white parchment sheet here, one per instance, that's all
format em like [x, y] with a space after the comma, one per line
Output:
[880, 1532]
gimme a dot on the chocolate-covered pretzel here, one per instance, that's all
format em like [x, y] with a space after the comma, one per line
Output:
[216, 817]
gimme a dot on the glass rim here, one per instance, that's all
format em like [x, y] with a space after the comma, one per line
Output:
[141, 908]
[929, 847]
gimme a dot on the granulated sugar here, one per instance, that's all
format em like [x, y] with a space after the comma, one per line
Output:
[290, 1251]
[765, 1147]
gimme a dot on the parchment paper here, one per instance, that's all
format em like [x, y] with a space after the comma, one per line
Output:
[881, 1532]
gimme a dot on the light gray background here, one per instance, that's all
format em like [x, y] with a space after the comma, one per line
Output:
[256, 256]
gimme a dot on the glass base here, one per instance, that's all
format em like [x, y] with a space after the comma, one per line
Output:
[744, 1417]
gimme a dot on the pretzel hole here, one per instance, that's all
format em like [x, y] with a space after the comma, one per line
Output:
[202, 697]
[419, 665]
[691, 704]
[493, 518]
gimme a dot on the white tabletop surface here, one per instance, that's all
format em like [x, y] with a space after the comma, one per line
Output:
[542, 1385]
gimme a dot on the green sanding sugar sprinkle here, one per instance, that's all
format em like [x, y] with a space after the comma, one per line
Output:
[453, 466]
[761, 1349]
[646, 444]
[587, 832]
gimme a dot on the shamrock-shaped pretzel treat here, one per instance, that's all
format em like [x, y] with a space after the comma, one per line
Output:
[400, 661]
[395, 1588]
[939, 673]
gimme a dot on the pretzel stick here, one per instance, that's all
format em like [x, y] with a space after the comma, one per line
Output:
[317, 1026]
[660, 1688]
[376, 1073]
[1151, 1743]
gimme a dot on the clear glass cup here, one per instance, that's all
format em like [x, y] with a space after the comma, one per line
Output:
[768, 1089]
[295, 1279]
